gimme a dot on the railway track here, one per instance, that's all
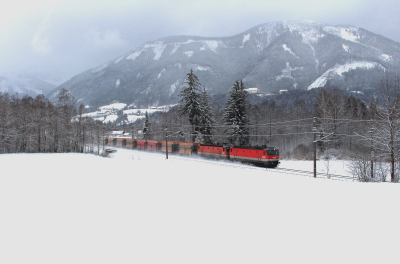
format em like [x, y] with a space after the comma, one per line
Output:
[319, 175]
[279, 170]
[234, 164]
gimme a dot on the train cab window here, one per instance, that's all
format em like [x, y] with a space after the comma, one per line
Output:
[265, 153]
[250, 151]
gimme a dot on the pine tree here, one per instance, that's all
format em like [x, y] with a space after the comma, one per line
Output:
[207, 119]
[191, 102]
[236, 116]
[147, 128]
[181, 135]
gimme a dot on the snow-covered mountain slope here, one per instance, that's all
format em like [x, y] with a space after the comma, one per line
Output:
[273, 56]
[23, 83]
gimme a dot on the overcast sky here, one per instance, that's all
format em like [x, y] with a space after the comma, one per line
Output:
[67, 37]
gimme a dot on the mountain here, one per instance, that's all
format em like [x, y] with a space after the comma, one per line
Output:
[23, 83]
[273, 56]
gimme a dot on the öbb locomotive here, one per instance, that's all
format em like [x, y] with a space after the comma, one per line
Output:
[260, 156]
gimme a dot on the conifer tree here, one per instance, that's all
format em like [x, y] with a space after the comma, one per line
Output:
[236, 116]
[147, 128]
[207, 119]
[191, 102]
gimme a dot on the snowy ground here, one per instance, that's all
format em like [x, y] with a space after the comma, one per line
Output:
[138, 207]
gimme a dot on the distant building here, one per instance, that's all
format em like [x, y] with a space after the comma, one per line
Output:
[283, 91]
[253, 90]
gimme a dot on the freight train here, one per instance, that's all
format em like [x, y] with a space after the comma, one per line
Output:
[260, 156]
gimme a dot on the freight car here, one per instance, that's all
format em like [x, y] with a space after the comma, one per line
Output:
[261, 156]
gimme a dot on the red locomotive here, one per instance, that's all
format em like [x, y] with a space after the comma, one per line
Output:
[261, 156]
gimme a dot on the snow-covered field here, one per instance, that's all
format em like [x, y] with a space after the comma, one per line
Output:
[138, 207]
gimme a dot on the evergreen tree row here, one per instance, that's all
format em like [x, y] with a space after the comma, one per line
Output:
[195, 104]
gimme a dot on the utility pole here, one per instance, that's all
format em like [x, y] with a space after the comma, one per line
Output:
[372, 153]
[315, 148]
[270, 127]
[166, 141]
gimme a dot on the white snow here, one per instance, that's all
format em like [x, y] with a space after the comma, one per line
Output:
[188, 53]
[115, 106]
[350, 34]
[312, 31]
[108, 113]
[100, 68]
[308, 30]
[346, 48]
[117, 83]
[386, 57]
[134, 118]
[158, 49]
[246, 38]
[134, 55]
[319, 82]
[161, 73]
[197, 67]
[110, 118]
[340, 69]
[119, 59]
[346, 33]
[138, 207]
[286, 48]
[173, 87]
[176, 46]
[213, 44]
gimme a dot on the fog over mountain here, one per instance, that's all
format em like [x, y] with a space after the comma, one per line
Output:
[24, 84]
[272, 56]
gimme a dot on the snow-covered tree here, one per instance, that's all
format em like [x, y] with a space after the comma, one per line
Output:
[181, 135]
[236, 116]
[147, 128]
[207, 119]
[191, 102]
[386, 133]
[200, 138]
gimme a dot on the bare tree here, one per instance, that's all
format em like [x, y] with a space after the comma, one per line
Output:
[386, 134]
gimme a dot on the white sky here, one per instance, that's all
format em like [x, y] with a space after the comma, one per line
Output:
[67, 37]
